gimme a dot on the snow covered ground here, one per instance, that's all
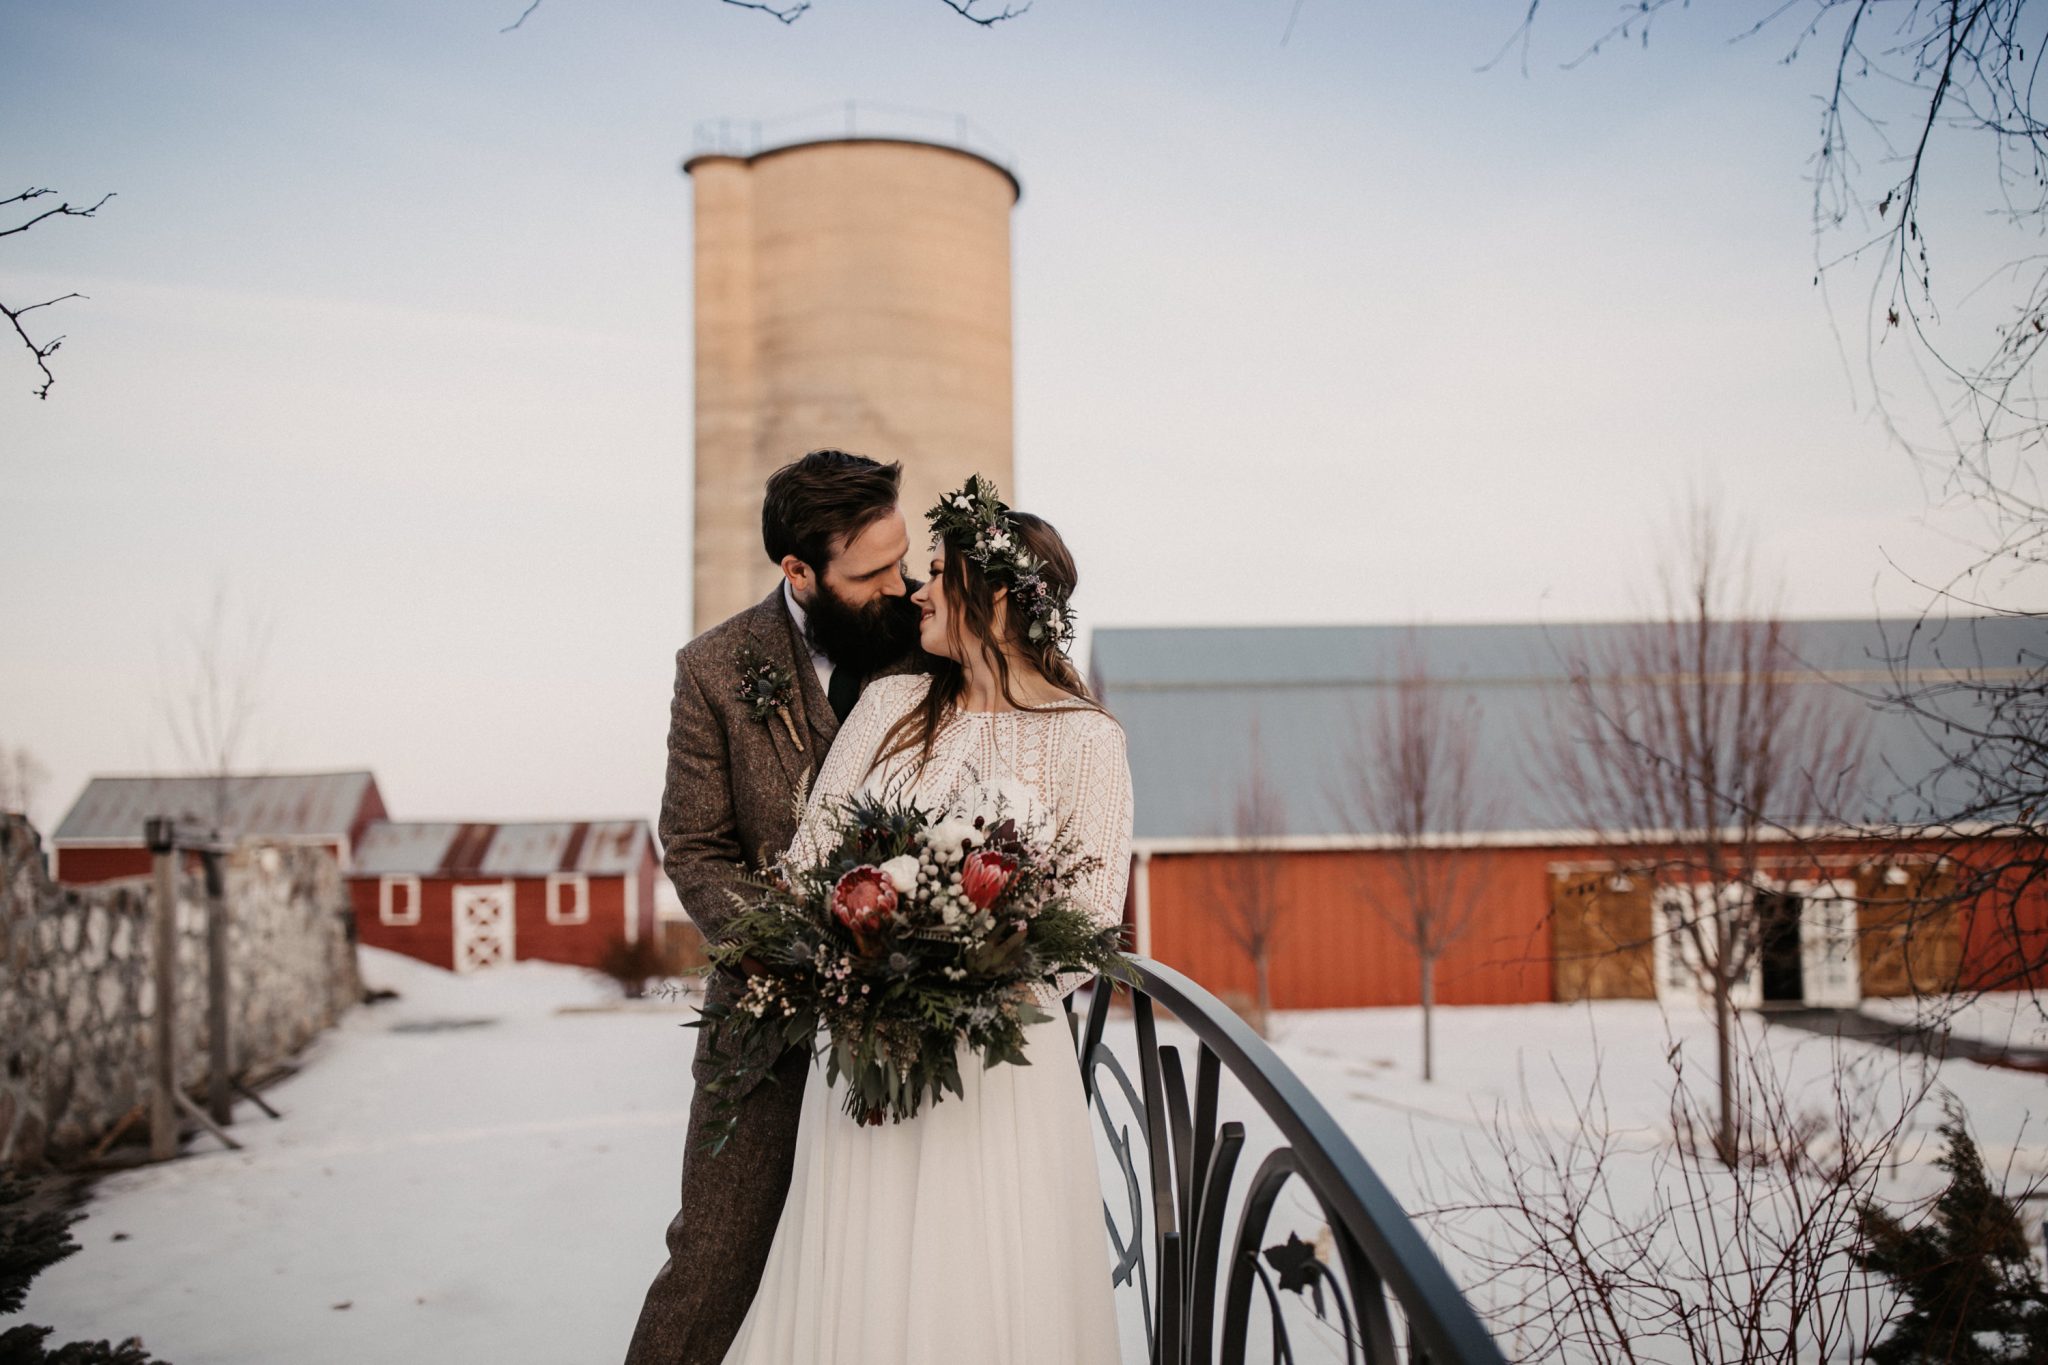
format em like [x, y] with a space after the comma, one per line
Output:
[481, 1170]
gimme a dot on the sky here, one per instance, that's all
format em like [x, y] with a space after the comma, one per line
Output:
[387, 337]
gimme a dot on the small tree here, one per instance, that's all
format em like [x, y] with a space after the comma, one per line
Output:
[211, 694]
[1694, 740]
[1247, 897]
[1408, 778]
[21, 777]
[1606, 1243]
[1967, 1275]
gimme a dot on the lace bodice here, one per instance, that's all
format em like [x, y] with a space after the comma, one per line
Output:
[1071, 759]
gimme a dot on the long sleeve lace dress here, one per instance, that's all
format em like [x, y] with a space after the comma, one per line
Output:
[973, 1232]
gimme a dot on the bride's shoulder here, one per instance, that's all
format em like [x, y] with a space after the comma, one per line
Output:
[896, 693]
[1093, 726]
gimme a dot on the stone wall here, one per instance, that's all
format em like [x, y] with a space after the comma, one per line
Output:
[77, 996]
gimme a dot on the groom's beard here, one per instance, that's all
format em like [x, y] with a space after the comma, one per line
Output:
[861, 638]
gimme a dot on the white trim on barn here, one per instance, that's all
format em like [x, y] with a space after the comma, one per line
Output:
[1141, 899]
[384, 912]
[580, 913]
[483, 915]
[1831, 973]
[1550, 838]
[1830, 968]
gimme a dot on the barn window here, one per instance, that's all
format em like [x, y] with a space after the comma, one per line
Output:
[568, 898]
[398, 900]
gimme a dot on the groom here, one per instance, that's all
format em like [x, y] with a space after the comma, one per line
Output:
[840, 616]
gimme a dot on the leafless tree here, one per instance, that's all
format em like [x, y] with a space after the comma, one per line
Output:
[1695, 742]
[212, 693]
[1407, 777]
[41, 350]
[21, 777]
[1601, 1245]
[1247, 896]
[1985, 713]
[1915, 95]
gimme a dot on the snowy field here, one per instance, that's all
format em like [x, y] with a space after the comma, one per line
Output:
[481, 1170]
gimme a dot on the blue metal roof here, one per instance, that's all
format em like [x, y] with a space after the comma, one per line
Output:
[1191, 699]
[265, 805]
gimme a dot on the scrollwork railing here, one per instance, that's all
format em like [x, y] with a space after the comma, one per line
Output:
[1178, 1251]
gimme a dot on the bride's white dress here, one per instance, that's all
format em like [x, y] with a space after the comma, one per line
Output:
[973, 1232]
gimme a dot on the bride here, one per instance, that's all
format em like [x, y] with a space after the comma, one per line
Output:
[973, 1232]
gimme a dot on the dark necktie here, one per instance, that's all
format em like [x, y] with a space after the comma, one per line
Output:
[843, 691]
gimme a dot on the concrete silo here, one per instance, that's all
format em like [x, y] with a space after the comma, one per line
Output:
[850, 292]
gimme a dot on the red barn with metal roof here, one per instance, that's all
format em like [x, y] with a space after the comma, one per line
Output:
[100, 837]
[471, 895]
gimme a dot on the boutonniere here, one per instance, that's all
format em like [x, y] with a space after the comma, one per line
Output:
[766, 687]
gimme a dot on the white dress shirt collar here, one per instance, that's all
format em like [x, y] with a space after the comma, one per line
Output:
[818, 661]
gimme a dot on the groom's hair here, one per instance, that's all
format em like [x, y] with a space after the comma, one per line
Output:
[816, 504]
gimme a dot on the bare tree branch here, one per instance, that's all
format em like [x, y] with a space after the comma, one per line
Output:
[1616, 1247]
[42, 351]
[210, 698]
[795, 9]
[965, 9]
[1695, 726]
[1408, 775]
[523, 14]
[788, 14]
[1249, 901]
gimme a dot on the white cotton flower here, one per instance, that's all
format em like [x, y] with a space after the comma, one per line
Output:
[951, 837]
[1006, 798]
[1000, 540]
[901, 872]
[961, 501]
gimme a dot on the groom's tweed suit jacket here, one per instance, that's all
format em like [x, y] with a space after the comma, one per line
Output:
[730, 806]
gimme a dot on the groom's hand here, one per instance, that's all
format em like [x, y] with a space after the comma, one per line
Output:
[748, 966]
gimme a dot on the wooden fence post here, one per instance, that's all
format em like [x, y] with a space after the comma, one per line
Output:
[219, 1054]
[163, 1108]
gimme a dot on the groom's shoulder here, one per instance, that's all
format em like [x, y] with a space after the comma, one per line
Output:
[718, 646]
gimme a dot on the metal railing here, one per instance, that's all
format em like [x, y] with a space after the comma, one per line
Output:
[1171, 1242]
[846, 119]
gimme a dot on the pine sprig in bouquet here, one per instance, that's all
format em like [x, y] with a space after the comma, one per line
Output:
[916, 932]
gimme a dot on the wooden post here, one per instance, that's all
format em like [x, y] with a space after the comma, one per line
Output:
[219, 1099]
[163, 1109]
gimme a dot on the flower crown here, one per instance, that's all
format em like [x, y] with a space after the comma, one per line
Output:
[978, 524]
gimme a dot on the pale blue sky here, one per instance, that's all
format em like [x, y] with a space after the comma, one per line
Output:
[390, 328]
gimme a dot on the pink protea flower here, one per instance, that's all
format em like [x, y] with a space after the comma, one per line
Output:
[986, 875]
[864, 899]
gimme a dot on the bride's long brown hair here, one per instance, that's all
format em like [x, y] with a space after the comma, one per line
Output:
[971, 625]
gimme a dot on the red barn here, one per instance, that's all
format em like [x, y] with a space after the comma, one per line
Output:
[1560, 918]
[465, 896]
[100, 837]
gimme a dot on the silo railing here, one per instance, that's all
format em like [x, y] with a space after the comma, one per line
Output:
[1362, 1281]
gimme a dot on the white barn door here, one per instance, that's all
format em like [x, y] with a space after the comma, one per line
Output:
[1675, 954]
[483, 926]
[1828, 965]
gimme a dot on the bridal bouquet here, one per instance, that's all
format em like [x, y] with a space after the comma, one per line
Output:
[917, 931]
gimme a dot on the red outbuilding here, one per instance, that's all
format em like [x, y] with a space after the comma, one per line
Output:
[100, 837]
[465, 896]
